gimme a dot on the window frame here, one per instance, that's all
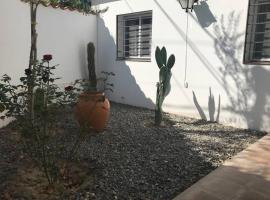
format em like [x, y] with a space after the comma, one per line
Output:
[246, 59]
[139, 15]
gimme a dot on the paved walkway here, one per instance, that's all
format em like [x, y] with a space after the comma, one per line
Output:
[245, 177]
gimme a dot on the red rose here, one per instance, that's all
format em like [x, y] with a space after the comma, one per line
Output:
[68, 88]
[47, 57]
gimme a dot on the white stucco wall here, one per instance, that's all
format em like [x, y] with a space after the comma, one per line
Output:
[64, 34]
[213, 47]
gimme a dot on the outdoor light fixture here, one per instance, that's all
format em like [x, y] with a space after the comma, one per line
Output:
[187, 4]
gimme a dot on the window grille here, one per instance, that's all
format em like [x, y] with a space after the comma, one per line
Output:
[134, 35]
[257, 44]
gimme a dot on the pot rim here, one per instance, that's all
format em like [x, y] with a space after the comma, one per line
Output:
[96, 93]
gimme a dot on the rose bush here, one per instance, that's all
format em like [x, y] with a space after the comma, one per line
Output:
[35, 104]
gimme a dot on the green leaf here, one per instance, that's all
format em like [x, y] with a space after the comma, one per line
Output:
[2, 108]
[5, 78]
[171, 61]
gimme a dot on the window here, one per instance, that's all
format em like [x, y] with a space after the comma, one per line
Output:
[257, 44]
[134, 35]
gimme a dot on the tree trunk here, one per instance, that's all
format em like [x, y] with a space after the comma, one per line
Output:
[33, 50]
[32, 58]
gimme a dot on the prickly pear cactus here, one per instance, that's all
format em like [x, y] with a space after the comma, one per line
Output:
[163, 86]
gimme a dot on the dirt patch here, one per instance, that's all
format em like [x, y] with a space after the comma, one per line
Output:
[22, 179]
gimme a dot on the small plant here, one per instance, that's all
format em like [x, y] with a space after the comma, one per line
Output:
[37, 113]
[163, 86]
[211, 107]
[106, 85]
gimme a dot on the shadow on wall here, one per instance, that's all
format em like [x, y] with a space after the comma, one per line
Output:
[193, 47]
[126, 88]
[83, 60]
[251, 83]
[204, 15]
[206, 18]
[211, 107]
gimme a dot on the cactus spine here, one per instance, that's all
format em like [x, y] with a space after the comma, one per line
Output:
[163, 86]
[91, 66]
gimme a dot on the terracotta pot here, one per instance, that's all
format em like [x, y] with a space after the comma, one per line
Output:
[93, 110]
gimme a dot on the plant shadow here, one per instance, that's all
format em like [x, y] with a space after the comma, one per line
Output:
[247, 87]
[126, 88]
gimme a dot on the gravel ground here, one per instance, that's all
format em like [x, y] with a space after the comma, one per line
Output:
[9, 158]
[132, 159]
[140, 161]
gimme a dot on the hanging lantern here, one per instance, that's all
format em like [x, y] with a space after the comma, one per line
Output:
[187, 4]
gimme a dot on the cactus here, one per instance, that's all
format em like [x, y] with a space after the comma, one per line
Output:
[91, 66]
[163, 86]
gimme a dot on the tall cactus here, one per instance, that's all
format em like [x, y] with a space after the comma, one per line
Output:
[91, 66]
[163, 86]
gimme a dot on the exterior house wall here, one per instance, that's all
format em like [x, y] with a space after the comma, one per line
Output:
[64, 34]
[215, 53]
